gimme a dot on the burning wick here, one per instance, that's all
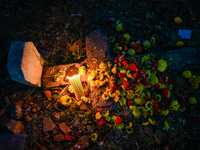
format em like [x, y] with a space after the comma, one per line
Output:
[75, 82]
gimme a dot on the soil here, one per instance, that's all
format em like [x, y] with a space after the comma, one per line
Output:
[54, 26]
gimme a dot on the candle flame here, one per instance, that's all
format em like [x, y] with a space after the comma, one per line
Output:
[73, 77]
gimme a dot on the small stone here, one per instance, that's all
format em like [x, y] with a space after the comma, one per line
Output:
[56, 116]
[47, 113]
[28, 118]
[24, 63]
[16, 112]
[49, 106]
[64, 128]
[38, 108]
[5, 101]
[90, 129]
[34, 110]
[148, 130]
[34, 116]
[38, 96]
[15, 126]
[83, 142]
[48, 124]
[47, 93]
[59, 137]
[84, 122]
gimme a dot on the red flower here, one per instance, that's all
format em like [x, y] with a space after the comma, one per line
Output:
[113, 80]
[126, 84]
[105, 103]
[122, 57]
[100, 110]
[127, 66]
[167, 100]
[136, 75]
[156, 105]
[133, 80]
[118, 120]
[115, 61]
[143, 74]
[137, 69]
[154, 63]
[165, 92]
[132, 87]
[121, 75]
[126, 48]
[102, 122]
[146, 83]
[167, 147]
[114, 88]
[137, 45]
[124, 62]
[133, 66]
[156, 86]
[138, 81]
[67, 136]
[130, 102]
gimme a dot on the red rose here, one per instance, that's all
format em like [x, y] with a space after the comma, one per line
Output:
[114, 88]
[137, 69]
[118, 120]
[145, 83]
[154, 63]
[137, 45]
[129, 102]
[133, 66]
[126, 48]
[67, 137]
[127, 66]
[105, 103]
[143, 74]
[138, 81]
[124, 62]
[115, 61]
[102, 122]
[100, 110]
[126, 84]
[156, 105]
[161, 80]
[136, 75]
[165, 92]
[121, 75]
[132, 87]
[164, 75]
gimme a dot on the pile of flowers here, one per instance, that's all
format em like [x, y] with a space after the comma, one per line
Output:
[141, 85]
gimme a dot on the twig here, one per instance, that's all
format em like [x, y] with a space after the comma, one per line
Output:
[30, 92]
[4, 109]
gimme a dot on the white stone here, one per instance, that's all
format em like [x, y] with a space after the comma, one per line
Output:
[24, 63]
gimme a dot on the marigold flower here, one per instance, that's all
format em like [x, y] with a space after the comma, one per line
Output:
[98, 115]
[153, 122]
[108, 118]
[192, 100]
[166, 125]
[148, 105]
[120, 125]
[187, 74]
[162, 65]
[145, 123]
[175, 105]
[178, 20]
[119, 27]
[118, 120]
[67, 136]
[94, 136]
[147, 44]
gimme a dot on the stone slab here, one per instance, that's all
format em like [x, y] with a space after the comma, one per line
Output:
[24, 63]
[48, 72]
[97, 48]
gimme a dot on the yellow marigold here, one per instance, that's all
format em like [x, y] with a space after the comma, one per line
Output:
[138, 101]
[147, 44]
[65, 100]
[153, 122]
[166, 125]
[114, 69]
[108, 118]
[130, 124]
[123, 71]
[122, 101]
[105, 113]
[94, 136]
[154, 79]
[164, 112]
[127, 36]
[92, 83]
[178, 20]
[70, 89]
[114, 118]
[116, 99]
[162, 65]
[98, 115]
[119, 27]
[175, 105]
[103, 66]
[139, 87]
[120, 125]
[129, 130]
[148, 105]
[192, 100]
[85, 99]
[82, 70]
[136, 112]
[145, 123]
[179, 44]
[109, 64]
[186, 74]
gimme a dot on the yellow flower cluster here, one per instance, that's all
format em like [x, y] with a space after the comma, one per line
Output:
[193, 80]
